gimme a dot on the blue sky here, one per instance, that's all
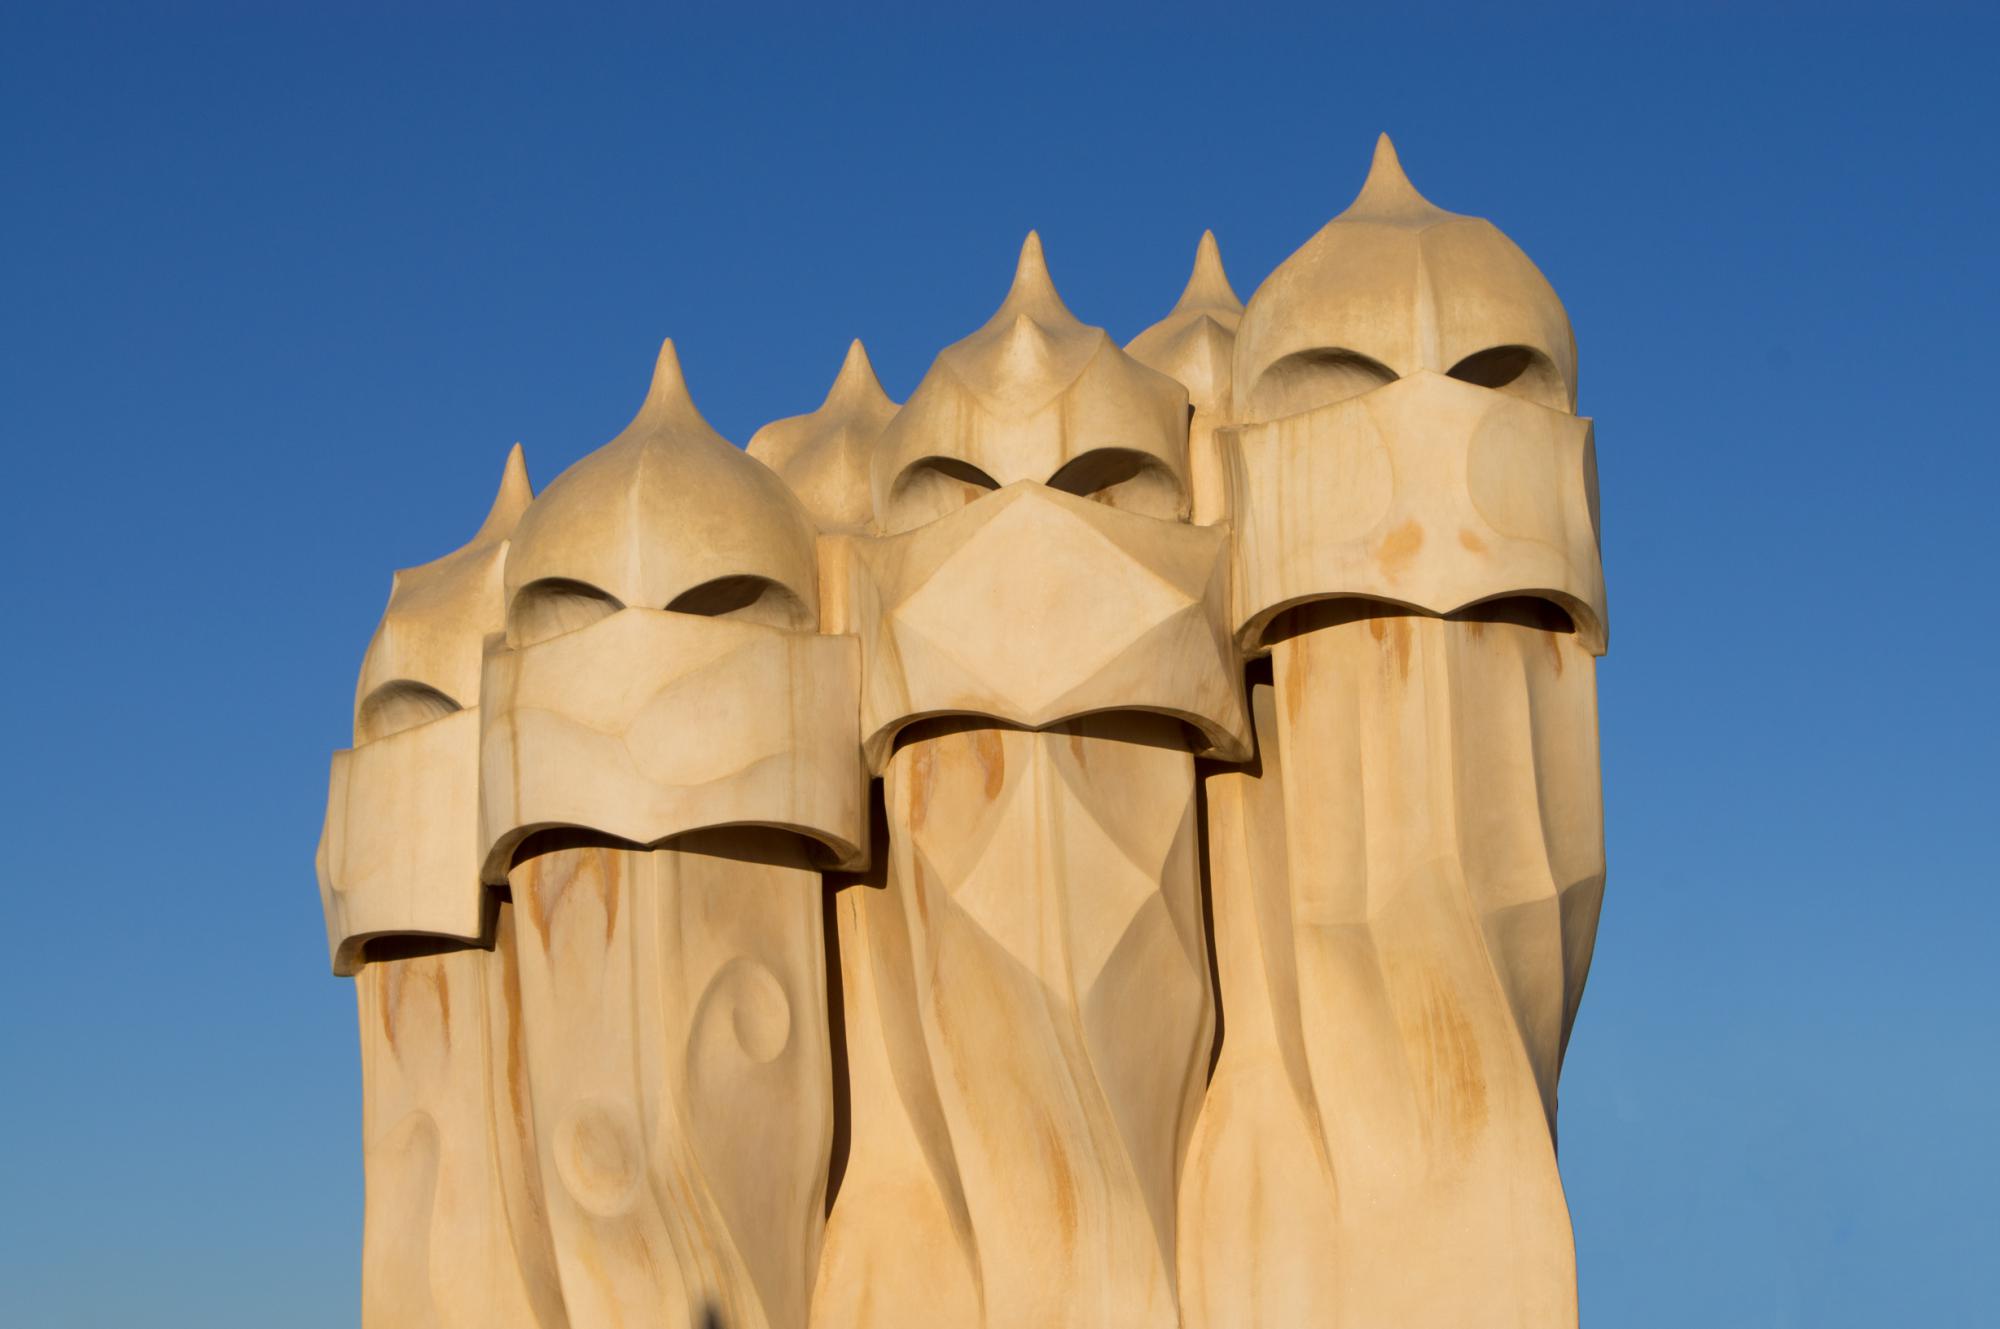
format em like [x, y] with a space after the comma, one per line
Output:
[280, 289]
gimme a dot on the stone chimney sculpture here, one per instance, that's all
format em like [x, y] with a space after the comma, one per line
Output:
[1113, 841]
[453, 1235]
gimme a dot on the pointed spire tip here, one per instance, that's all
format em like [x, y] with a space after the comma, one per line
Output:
[514, 471]
[856, 377]
[668, 392]
[1033, 292]
[1031, 270]
[1388, 190]
[510, 501]
[668, 401]
[667, 374]
[1208, 284]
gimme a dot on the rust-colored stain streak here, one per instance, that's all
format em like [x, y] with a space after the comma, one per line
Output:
[1394, 551]
[611, 863]
[1471, 540]
[1395, 631]
[987, 751]
[435, 971]
[544, 879]
[394, 979]
[1294, 670]
[1454, 1078]
[386, 980]
[551, 878]
[923, 773]
[517, 1064]
[920, 891]
[970, 987]
[1063, 1182]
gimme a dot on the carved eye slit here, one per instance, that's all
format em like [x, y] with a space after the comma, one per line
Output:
[752, 599]
[1309, 380]
[933, 487]
[1124, 479]
[401, 704]
[1519, 371]
[554, 605]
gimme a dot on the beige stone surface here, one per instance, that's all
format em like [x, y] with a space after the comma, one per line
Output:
[395, 859]
[1039, 987]
[1035, 395]
[826, 456]
[394, 854]
[1406, 894]
[1045, 645]
[667, 515]
[592, 729]
[1406, 384]
[1427, 492]
[1406, 884]
[1195, 345]
[1033, 605]
[1188, 752]
[1393, 286]
[660, 672]
[453, 1232]
[668, 753]
[674, 1009]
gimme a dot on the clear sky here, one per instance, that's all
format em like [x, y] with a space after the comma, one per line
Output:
[280, 290]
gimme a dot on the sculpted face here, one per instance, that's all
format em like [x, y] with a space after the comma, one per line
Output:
[1425, 491]
[1037, 475]
[397, 855]
[1032, 605]
[668, 515]
[1405, 389]
[824, 457]
[1034, 396]
[1396, 286]
[660, 670]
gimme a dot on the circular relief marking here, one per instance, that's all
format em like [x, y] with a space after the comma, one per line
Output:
[1513, 473]
[749, 998]
[598, 1157]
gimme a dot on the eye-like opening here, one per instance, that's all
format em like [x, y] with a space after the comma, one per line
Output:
[400, 704]
[752, 599]
[1519, 371]
[408, 946]
[962, 471]
[1124, 479]
[1308, 380]
[555, 605]
[933, 487]
[1524, 611]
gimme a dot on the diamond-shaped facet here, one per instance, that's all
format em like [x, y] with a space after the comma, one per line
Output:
[1069, 599]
